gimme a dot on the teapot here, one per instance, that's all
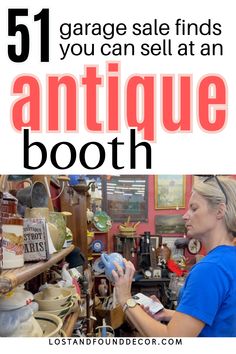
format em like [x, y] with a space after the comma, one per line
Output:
[108, 261]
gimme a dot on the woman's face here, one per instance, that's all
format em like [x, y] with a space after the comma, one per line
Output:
[200, 217]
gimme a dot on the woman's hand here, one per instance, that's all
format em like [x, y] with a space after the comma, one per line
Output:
[123, 281]
[163, 315]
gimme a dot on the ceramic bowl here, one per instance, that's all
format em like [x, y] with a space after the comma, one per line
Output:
[53, 292]
[63, 311]
[52, 298]
[73, 290]
[49, 323]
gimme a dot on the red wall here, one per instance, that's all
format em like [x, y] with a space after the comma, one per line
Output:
[152, 212]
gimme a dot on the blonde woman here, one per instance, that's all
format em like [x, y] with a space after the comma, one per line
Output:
[207, 307]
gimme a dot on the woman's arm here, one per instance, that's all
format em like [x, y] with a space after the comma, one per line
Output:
[181, 325]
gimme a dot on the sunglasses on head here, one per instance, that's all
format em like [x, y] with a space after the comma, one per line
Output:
[209, 177]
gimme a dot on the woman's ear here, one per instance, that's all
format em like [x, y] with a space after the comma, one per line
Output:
[221, 211]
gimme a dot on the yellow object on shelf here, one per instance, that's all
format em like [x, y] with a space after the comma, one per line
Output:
[90, 236]
[128, 228]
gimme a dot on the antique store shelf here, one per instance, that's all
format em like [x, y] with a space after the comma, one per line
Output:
[9, 279]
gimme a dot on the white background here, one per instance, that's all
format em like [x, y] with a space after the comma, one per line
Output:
[195, 152]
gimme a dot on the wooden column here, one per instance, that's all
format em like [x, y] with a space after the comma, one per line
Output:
[80, 218]
[74, 200]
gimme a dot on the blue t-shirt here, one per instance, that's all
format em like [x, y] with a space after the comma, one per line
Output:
[209, 293]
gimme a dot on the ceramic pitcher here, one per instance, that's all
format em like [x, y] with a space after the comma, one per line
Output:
[58, 220]
[108, 261]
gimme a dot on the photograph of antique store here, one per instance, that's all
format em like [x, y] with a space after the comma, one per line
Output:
[83, 255]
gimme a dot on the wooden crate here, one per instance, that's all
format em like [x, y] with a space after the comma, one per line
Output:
[114, 317]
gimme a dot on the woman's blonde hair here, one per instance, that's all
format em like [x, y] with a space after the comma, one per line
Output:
[221, 191]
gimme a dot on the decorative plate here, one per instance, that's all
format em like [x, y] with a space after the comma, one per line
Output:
[97, 246]
[194, 246]
[98, 266]
[102, 221]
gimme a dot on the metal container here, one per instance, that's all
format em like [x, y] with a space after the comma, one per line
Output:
[12, 240]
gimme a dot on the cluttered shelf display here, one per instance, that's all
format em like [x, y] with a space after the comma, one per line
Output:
[98, 221]
[100, 296]
[37, 254]
[57, 302]
[40, 262]
[11, 278]
[161, 270]
[101, 302]
[155, 262]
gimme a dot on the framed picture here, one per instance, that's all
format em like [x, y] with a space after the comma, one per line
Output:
[170, 224]
[126, 196]
[170, 191]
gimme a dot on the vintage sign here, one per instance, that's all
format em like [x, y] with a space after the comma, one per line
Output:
[35, 240]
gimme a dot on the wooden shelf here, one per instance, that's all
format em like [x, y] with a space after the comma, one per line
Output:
[96, 231]
[100, 232]
[128, 236]
[70, 322]
[9, 279]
